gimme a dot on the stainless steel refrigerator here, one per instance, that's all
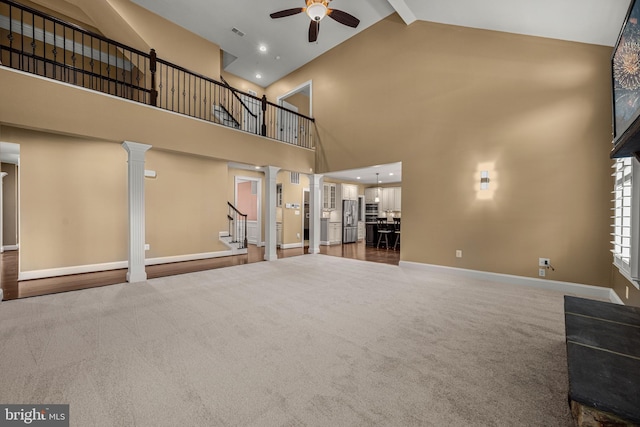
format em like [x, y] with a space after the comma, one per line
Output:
[349, 221]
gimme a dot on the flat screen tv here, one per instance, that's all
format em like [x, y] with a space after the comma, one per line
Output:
[625, 64]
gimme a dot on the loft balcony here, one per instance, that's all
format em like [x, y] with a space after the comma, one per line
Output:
[43, 45]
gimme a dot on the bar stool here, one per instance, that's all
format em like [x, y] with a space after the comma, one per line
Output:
[383, 230]
[396, 231]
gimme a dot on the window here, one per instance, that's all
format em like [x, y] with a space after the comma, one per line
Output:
[626, 210]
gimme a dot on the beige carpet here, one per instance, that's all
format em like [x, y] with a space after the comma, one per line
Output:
[306, 341]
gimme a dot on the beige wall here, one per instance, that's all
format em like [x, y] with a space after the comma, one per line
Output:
[73, 200]
[242, 84]
[120, 120]
[292, 193]
[449, 101]
[301, 101]
[186, 205]
[621, 285]
[10, 205]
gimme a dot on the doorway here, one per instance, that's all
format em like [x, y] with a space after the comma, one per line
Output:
[248, 197]
[306, 215]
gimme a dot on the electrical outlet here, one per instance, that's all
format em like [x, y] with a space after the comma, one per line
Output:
[458, 253]
[544, 262]
[298, 236]
[147, 247]
[542, 272]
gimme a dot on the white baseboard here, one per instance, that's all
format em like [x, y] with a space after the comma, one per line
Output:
[292, 245]
[190, 257]
[10, 248]
[613, 297]
[554, 285]
[65, 271]
[92, 268]
[1, 295]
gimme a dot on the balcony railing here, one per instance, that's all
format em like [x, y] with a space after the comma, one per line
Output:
[44, 45]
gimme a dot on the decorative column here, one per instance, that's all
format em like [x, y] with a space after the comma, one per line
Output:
[315, 206]
[270, 237]
[136, 152]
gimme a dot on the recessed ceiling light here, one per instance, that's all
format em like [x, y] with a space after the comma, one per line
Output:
[258, 76]
[390, 173]
[262, 48]
[357, 177]
[257, 167]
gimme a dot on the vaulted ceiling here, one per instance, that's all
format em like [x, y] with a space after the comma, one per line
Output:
[287, 47]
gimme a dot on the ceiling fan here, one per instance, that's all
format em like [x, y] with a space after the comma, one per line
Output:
[316, 10]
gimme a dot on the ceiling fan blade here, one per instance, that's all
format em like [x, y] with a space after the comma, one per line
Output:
[343, 17]
[314, 29]
[287, 12]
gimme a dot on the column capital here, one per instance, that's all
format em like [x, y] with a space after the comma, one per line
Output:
[271, 170]
[135, 149]
[3, 174]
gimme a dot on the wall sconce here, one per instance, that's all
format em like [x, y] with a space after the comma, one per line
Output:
[150, 174]
[484, 180]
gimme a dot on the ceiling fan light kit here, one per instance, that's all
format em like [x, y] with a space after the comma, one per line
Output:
[316, 10]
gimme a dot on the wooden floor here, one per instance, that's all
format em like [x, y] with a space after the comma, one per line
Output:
[28, 288]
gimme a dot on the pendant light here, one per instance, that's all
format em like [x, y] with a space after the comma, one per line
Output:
[377, 198]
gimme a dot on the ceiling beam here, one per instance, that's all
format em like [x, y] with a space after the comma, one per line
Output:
[403, 10]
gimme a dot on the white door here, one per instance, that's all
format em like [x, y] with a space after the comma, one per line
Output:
[288, 123]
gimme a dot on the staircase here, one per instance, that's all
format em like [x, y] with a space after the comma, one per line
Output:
[224, 118]
[235, 247]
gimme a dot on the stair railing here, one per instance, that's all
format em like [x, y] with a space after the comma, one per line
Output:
[241, 111]
[237, 226]
[35, 42]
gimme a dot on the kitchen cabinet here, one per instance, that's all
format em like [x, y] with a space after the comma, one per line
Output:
[391, 199]
[349, 192]
[329, 196]
[279, 234]
[398, 199]
[330, 232]
[361, 230]
[335, 233]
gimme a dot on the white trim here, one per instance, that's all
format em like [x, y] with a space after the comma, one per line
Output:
[297, 89]
[10, 248]
[117, 265]
[77, 269]
[189, 257]
[1, 295]
[613, 297]
[554, 285]
[292, 245]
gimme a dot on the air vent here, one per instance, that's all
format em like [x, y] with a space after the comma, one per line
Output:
[237, 31]
[295, 177]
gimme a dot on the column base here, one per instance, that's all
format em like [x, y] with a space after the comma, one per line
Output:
[136, 277]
